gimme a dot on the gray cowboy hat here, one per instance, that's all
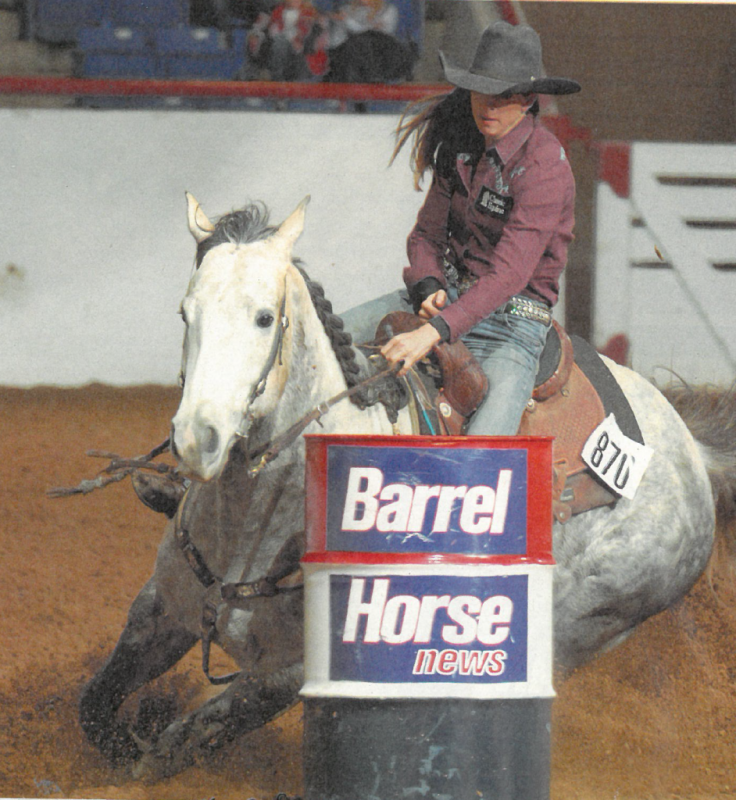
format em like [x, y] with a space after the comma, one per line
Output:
[508, 60]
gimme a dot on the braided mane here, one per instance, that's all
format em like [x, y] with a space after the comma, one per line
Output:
[251, 224]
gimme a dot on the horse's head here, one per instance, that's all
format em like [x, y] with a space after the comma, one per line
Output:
[235, 312]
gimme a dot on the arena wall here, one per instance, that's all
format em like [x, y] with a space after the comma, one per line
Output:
[95, 254]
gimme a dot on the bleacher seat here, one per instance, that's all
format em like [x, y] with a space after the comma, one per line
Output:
[327, 6]
[147, 13]
[199, 53]
[411, 21]
[115, 52]
[57, 21]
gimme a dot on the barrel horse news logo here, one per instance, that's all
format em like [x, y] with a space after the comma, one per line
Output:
[414, 627]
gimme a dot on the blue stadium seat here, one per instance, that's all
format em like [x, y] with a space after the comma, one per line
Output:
[189, 41]
[411, 21]
[108, 52]
[57, 21]
[147, 13]
[327, 6]
[200, 53]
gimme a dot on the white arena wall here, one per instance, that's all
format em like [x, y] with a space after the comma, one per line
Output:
[95, 254]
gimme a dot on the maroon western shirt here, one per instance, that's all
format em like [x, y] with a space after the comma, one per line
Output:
[507, 220]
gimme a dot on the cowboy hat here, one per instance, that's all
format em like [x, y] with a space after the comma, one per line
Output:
[508, 60]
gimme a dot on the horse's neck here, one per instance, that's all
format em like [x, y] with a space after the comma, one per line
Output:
[314, 377]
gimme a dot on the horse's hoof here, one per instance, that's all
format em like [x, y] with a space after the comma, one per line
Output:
[159, 493]
[119, 747]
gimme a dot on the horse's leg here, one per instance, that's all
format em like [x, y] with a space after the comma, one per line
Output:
[150, 644]
[246, 704]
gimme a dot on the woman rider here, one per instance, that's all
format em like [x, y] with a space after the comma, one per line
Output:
[490, 241]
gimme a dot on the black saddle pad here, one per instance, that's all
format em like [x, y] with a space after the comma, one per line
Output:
[612, 396]
[550, 357]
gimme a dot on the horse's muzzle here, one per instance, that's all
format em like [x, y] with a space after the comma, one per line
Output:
[197, 446]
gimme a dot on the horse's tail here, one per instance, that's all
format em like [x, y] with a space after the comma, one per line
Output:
[710, 415]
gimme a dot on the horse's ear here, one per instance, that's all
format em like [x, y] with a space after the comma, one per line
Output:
[199, 226]
[291, 228]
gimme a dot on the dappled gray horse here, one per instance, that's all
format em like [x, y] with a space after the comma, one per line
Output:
[262, 350]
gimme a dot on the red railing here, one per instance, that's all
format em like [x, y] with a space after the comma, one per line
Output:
[45, 85]
[560, 125]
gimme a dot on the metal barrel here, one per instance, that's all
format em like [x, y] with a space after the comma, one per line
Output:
[428, 602]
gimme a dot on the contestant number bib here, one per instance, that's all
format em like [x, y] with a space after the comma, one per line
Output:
[617, 460]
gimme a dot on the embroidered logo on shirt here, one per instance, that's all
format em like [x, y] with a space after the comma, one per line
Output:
[495, 204]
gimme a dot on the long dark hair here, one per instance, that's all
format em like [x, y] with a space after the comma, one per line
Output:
[440, 119]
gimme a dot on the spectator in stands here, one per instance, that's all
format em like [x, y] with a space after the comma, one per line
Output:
[491, 239]
[290, 42]
[364, 47]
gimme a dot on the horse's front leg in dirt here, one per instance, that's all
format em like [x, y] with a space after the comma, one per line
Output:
[245, 705]
[151, 643]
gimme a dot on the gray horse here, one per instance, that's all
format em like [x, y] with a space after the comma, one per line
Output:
[263, 349]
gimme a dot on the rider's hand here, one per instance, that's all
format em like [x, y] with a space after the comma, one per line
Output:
[410, 347]
[433, 304]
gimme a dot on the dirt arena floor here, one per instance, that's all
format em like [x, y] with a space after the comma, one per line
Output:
[654, 719]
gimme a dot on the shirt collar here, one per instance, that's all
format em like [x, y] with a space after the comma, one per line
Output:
[508, 145]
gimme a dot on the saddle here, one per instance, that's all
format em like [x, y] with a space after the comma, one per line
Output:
[449, 385]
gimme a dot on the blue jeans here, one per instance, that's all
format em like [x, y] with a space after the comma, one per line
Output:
[508, 348]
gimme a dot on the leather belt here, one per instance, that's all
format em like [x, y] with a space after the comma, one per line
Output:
[519, 305]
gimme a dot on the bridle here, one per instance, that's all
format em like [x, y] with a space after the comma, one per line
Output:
[276, 352]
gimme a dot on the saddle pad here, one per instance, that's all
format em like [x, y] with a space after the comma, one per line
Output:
[613, 399]
[550, 358]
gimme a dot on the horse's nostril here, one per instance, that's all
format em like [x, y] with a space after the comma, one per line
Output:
[211, 441]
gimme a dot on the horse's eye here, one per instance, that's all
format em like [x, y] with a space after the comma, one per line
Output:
[264, 319]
